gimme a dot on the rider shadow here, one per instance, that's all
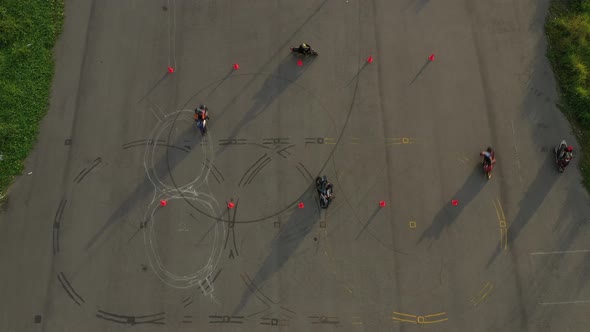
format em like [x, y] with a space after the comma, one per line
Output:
[291, 236]
[286, 73]
[145, 189]
[420, 71]
[368, 222]
[420, 4]
[449, 214]
[357, 73]
[533, 198]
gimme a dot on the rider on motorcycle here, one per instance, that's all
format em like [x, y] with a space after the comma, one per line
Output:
[565, 155]
[201, 114]
[304, 48]
[326, 187]
[488, 156]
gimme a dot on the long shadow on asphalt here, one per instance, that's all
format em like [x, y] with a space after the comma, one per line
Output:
[286, 73]
[292, 234]
[449, 214]
[281, 48]
[533, 198]
[146, 188]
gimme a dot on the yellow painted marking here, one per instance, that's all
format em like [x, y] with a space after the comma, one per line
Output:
[420, 319]
[354, 140]
[502, 224]
[412, 224]
[402, 314]
[483, 293]
[398, 141]
[329, 140]
[434, 315]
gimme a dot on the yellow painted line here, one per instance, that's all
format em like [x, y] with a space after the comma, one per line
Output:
[434, 315]
[483, 293]
[420, 319]
[487, 293]
[502, 223]
[436, 321]
[401, 314]
[329, 140]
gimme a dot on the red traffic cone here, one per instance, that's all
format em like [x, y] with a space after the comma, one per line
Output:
[370, 59]
[300, 62]
[431, 57]
[382, 203]
[301, 205]
[231, 205]
[163, 203]
[170, 69]
[455, 202]
[236, 66]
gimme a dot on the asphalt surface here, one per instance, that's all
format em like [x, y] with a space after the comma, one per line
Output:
[86, 244]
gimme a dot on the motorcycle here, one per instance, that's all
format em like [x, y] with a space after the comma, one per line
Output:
[488, 167]
[201, 123]
[562, 158]
[325, 190]
[309, 51]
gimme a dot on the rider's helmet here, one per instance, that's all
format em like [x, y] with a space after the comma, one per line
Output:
[304, 45]
[569, 148]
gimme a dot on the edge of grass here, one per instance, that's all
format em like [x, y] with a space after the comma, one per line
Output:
[28, 32]
[567, 27]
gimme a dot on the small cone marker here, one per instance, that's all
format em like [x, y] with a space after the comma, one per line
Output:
[301, 205]
[431, 57]
[236, 66]
[163, 203]
[382, 203]
[231, 205]
[170, 69]
[370, 59]
[299, 62]
[455, 202]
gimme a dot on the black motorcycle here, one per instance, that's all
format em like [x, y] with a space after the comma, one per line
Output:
[308, 51]
[200, 121]
[325, 191]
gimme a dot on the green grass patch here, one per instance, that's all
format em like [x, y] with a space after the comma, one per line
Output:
[568, 33]
[28, 31]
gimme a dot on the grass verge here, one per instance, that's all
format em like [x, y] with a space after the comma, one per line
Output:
[28, 31]
[568, 34]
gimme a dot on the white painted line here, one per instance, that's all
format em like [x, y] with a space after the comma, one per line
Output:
[559, 252]
[572, 302]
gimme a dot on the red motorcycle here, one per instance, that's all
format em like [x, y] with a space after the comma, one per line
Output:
[489, 159]
[563, 155]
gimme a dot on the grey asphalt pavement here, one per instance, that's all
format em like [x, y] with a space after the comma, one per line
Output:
[125, 220]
